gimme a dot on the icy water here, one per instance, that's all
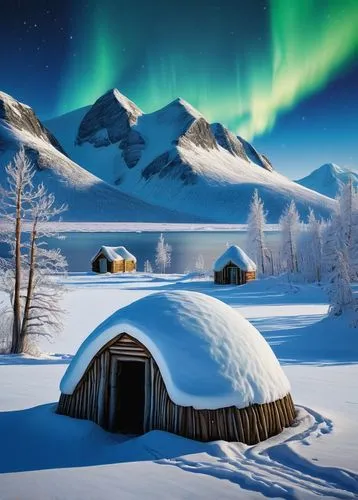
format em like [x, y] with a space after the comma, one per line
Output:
[79, 248]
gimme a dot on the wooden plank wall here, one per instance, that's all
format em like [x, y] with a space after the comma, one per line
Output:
[248, 425]
[117, 266]
[223, 277]
[92, 400]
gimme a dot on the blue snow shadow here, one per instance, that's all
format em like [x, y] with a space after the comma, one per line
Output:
[37, 438]
[18, 359]
[315, 340]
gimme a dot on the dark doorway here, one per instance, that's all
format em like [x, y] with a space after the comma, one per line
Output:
[130, 397]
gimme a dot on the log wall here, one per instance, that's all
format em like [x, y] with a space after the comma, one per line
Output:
[117, 266]
[93, 399]
[223, 277]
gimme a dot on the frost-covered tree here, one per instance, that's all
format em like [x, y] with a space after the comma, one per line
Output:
[310, 249]
[163, 254]
[353, 248]
[255, 232]
[28, 276]
[290, 227]
[348, 211]
[339, 288]
[148, 266]
[199, 266]
[346, 205]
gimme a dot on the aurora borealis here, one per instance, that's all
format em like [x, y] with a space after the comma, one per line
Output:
[249, 64]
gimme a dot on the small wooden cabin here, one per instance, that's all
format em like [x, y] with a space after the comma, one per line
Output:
[234, 267]
[175, 361]
[113, 260]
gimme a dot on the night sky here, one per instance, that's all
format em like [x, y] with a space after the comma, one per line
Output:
[282, 73]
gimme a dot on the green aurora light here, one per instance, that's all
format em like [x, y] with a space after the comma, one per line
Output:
[244, 81]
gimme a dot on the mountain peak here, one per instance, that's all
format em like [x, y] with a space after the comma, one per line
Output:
[124, 102]
[109, 119]
[328, 179]
[22, 117]
[180, 105]
[329, 168]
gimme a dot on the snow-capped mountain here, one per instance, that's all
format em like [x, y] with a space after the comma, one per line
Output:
[88, 197]
[328, 179]
[175, 158]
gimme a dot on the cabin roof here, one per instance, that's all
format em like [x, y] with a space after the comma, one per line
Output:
[237, 256]
[208, 354]
[115, 253]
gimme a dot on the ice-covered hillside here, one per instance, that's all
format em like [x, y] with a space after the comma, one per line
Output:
[328, 179]
[175, 158]
[89, 198]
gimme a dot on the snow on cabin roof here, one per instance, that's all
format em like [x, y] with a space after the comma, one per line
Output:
[237, 256]
[115, 253]
[208, 354]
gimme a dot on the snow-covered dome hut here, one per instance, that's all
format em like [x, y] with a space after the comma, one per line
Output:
[182, 362]
[234, 267]
[113, 260]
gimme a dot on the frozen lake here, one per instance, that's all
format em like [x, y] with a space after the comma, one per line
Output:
[80, 247]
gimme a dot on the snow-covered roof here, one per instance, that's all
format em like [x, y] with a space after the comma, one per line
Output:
[115, 253]
[237, 256]
[208, 354]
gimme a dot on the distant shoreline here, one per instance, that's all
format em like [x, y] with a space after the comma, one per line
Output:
[146, 227]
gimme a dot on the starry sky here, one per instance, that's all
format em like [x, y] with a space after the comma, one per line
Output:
[281, 73]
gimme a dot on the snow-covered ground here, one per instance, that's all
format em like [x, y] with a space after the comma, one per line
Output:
[44, 455]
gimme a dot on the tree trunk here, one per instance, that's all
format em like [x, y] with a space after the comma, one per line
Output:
[16, 345]
[30, 284]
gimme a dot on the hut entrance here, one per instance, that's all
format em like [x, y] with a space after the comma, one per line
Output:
[130, 397]
[102, 265]
[232, 275]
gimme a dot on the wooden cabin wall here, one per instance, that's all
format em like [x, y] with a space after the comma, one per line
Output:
[130, 266]
[250, 275]
[91, 400]
[95, 266]
[223, 277]
[248, 425]
[117, 266]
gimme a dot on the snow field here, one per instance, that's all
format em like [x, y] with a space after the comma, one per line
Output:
[51, 456]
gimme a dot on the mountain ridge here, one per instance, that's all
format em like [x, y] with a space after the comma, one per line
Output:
[175, 158]
[89, 198]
